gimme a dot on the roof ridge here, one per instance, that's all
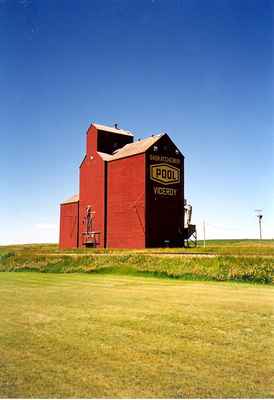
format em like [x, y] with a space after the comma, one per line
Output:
[137, 147]
[131, 149]
[72, 199]
[139, 141]
[111, 129]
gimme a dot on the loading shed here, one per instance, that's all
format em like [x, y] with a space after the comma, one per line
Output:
[131, 194]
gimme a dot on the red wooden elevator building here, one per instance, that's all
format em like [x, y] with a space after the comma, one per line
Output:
[131, 194]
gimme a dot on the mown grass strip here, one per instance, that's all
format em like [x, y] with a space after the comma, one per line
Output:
[97, 336]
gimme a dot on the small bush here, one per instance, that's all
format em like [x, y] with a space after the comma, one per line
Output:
[6, 255]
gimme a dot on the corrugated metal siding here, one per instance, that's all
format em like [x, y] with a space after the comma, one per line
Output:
[68, 225]
[126, 203]
[91, 141]
[165, 213]
[92, 175]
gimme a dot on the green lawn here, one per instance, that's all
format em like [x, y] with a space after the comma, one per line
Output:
[92, 335]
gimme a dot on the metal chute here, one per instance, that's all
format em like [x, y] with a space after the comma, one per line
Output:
[190, 232]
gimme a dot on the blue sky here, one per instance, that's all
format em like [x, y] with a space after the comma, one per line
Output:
[199, 70]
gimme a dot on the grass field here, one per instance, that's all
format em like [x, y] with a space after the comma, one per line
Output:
[251, 261]
[127, 328]
[80, 335]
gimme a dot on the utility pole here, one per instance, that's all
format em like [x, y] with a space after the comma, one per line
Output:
[260, 217]
[204, 234]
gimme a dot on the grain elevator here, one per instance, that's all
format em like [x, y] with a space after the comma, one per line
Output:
[131, 194]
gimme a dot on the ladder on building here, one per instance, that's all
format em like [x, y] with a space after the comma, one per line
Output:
[90, 238]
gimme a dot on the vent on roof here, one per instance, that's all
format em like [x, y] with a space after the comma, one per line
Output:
[116, 126]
